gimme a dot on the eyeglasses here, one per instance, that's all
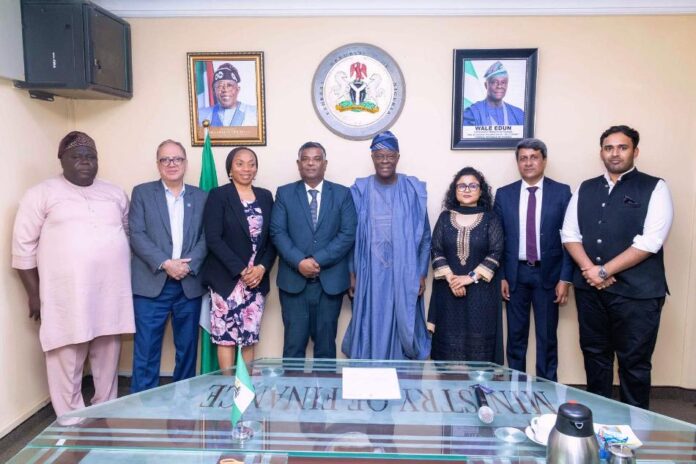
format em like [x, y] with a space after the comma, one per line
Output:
[472, 187]
[171, 161]
[383, 156]
[226, 85]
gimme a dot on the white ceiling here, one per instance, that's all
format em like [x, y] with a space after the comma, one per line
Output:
[202, 8]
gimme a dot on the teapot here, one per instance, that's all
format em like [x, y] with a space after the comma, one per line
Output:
[572, 440]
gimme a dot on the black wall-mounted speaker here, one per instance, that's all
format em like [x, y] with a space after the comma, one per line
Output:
[75, 49]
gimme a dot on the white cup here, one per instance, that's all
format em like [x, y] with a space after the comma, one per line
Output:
[542, 425]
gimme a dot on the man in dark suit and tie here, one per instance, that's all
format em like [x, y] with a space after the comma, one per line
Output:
[313, 228]
[166, 237]
[536, 269]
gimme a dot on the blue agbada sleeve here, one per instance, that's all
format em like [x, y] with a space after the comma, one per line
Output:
[469, 118]
[424, 248]
[355, 345]
[410, 263]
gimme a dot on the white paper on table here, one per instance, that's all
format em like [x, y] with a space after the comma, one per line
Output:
[370, 383]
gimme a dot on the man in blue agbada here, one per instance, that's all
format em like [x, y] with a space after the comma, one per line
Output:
[493, 111]
[390, 263]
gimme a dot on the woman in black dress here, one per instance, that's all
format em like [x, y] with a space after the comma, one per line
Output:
[467, 245]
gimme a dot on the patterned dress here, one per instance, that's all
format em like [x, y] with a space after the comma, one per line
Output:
[466, 328]
[237, 319]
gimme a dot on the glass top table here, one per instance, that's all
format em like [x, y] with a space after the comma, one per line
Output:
[299, 416]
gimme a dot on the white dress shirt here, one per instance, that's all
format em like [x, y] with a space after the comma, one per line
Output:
[226, 115]
[658, 219]
[524, 201]
[175, 206]
[318, 188]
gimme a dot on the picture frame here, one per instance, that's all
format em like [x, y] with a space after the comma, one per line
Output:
[227, 90]
[358, 91]
[493, 97]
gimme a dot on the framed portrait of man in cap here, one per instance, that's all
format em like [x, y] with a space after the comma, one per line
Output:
[493, 97]
[226, 96]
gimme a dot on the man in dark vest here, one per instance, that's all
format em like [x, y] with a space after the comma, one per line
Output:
[614, 229]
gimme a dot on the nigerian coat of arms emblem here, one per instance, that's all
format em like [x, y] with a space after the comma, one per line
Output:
[358, 91]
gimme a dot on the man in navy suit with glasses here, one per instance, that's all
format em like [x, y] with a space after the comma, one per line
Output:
[536, 270]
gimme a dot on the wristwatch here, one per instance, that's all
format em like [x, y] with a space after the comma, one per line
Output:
[603, 274]
[473, 276]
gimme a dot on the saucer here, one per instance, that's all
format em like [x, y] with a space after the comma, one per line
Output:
[530, 435]
[481, 376]
[509, 434]
[272, 371]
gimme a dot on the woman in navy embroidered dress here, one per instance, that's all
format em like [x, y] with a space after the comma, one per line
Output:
[465, 307]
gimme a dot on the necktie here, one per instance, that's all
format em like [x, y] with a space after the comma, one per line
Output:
[313, 206]
[532, 254]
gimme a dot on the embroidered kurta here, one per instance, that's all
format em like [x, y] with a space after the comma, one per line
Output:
[77, 238]
[466, 328]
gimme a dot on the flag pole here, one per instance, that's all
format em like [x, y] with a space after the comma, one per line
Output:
[208, 181]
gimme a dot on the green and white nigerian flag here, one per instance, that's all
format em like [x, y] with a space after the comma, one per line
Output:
[244, 389]
[473, 88]
[207, 182]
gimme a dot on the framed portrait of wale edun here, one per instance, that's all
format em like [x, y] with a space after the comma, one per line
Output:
[493, 97]
[227, 90]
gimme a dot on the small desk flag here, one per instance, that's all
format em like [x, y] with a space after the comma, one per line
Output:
[244, 389]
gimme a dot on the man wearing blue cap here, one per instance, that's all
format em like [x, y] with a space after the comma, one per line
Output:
[228, 110]
[493, 111]
[390, 263]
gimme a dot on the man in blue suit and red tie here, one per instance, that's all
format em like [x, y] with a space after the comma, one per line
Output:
[313, 228]
[536, 270]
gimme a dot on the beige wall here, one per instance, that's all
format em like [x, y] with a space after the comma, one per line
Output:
[593, 72]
